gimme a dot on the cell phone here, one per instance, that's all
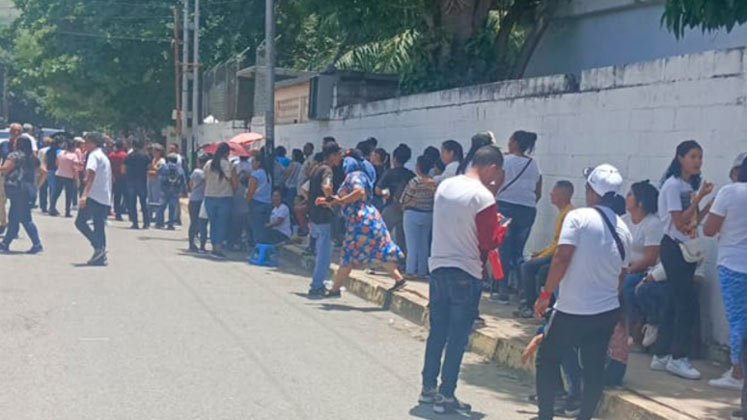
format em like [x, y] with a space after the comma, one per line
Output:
[507, 221]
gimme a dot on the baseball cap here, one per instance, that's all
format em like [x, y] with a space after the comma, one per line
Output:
[604, 179]
[739, 160]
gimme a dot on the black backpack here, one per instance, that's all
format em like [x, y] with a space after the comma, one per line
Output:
[173, 181]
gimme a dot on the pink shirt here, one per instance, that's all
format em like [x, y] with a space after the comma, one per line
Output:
[68, 165]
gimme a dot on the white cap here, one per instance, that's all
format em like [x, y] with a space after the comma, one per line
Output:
[739, 160]
[604, 179]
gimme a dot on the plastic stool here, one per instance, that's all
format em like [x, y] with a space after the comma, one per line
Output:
[265, 255]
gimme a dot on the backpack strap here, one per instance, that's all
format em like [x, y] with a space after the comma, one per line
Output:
[516, 178]
[618, 241]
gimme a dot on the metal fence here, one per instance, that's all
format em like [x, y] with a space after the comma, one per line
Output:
[224, 95]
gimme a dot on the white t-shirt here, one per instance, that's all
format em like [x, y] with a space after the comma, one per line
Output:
[731, 204]
[101, 190]
[215, 186]
[449, 171]
[675, 195]
[523, 190]
[281, 212]
[645, 234]
[590, 285]
[455, 242]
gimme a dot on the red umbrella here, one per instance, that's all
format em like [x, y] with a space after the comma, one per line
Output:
[236, 149]
[246, 139]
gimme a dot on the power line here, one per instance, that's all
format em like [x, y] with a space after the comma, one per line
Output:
[113, 37]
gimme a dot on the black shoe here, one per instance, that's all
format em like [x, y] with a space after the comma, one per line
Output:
[134, 227]
[146, 227]
[159, 226]
[316, 293]
[193, 248]
[443, 405]
[572, 407]
[739, 414]
[2, 229]
[54, 213]
[98, 256]
[3, 248]
[218, 254]
[68, 215]
[170, 228]
[44, 211]
[203, 248]
[35, 249]
[524, 312]
[333, 294]
[398, 285]
[428, 396]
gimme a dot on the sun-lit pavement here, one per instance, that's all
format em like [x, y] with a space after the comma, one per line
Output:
[162, 334]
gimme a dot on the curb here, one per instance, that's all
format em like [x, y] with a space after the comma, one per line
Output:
[504, 350]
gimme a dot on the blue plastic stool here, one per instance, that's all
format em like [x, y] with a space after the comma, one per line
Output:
[265, 255]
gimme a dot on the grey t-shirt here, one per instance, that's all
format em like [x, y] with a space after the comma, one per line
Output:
[197, 180]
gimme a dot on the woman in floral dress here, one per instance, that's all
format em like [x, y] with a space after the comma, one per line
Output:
[367, 242]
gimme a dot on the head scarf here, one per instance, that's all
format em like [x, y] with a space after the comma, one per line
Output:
[350, 165]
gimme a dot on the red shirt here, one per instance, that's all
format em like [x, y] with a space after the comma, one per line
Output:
[117, 162]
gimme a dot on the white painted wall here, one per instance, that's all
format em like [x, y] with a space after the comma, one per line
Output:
[631, 116]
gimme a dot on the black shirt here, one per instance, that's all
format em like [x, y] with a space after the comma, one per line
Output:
[320, 176]
[137, 164]
[395, 180]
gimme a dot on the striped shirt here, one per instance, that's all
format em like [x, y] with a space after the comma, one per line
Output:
[419, 194]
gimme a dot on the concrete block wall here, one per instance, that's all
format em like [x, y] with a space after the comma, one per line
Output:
[632, 116]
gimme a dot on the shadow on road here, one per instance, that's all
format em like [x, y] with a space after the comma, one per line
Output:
[423, 411]
[348, 308]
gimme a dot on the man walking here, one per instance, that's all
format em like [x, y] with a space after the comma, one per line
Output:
[588, 304]
[465, 229]
[321, 185]
[136, 166]
[96, 200]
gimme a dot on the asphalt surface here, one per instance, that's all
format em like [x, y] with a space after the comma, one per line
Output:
[163, 334]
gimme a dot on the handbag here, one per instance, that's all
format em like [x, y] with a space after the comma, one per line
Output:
[516, 178]
[693, 251]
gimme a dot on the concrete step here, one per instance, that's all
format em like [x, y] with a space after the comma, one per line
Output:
[647, 395]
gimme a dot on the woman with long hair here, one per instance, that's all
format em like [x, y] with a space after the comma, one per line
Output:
[517, 200]
[728, 220]
[417, 202]
[478, 140]
[220, 184]
[452, 156]
[681, 193]
[367, 241]
[67, 176]
[20, 170]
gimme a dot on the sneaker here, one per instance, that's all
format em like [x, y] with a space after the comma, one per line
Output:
[727, 381]
[479, 323]
[98, 256]
[333, 295]
[398, 285]
[660, 362]
[443, 405]
[524, 312]
[428, 396]
[35, 249]
[68, 215]
[316, 293]
[683, 368]
[54, 213]
[650, 333]
[572, 407]
[170, 228]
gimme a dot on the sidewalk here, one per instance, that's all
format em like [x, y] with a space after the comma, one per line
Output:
[646, 394]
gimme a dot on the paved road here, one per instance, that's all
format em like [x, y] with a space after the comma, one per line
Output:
[161, 334]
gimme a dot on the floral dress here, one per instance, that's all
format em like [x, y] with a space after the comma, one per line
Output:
[367, 239]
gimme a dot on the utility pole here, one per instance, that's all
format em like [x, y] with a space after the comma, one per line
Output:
[196, 120]
[177, 77]
[185, 75]
[270, 59]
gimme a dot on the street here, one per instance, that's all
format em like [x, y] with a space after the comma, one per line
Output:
[163, 334]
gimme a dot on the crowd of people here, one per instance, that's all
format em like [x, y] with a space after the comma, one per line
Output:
[619, 274]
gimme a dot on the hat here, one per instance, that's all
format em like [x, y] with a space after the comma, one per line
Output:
[604, 179]
[739, 160]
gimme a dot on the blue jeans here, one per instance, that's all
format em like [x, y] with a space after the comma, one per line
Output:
[418, 226]
[47, 190]
[652, 300]
[219, 214]
[98, 213]
[512, 250]
[734, 291]
[259, 217]
[171, 203]
[630, 303]
[452, 309]
[20, 214]
[322, 233]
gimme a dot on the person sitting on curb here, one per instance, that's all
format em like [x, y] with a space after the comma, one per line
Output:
[532, 279]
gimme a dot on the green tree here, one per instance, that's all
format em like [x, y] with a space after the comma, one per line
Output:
[708, 15]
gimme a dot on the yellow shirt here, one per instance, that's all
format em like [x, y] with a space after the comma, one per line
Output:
[550, 250]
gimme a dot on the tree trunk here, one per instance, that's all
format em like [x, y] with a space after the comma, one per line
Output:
[545, 14]
[508, 23]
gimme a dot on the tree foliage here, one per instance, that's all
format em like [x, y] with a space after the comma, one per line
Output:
[708, 15]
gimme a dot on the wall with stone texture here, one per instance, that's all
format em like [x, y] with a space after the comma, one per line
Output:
[632, 116]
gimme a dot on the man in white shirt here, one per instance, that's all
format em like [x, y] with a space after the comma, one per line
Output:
[588, 303]
[96, 200]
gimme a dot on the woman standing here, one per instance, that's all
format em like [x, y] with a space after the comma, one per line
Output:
[155, 197]
[517, 200]
[259, 196]
[292, 176]
[220, 183]
[728, 220]
[644, 224]
[197, 226]
[452, 156]
[678, 210]
[20, 170]
[417, 202]
[367, 240]
[67, 177]
[478, 140]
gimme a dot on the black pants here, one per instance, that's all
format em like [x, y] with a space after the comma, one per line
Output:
[197, 226]
[591, 334]
[44, 195]
[680, 310]
[119, 196]
[67, 184]
[138, 192]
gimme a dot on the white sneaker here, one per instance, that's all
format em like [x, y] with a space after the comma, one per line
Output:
[650, 333]
[660, 363]
[727, 381]
[683, 368]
